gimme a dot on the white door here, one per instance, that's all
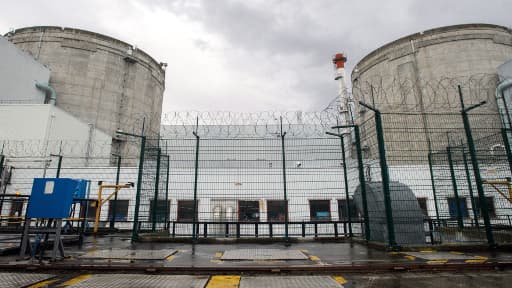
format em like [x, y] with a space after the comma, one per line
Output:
[223, 211]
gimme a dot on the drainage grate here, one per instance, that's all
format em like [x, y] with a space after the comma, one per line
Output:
[15, 280]
[146, 281]
[439, 256]
[263, 254]
[289, 282]
[129, 254]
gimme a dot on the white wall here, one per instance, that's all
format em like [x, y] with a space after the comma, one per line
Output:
[18, 74]
[44, 126]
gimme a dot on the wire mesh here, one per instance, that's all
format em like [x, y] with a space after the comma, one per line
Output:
[241, 189]
[92, 161]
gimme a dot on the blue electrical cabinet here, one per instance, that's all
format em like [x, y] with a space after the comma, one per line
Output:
[52, 197]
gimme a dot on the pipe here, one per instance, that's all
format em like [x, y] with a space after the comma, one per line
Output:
[499, 93]
[45, 87]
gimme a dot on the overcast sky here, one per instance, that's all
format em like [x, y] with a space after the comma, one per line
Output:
[252, 55]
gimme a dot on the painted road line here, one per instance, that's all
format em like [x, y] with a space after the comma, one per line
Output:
[481, 257]
[410, 257]
[218, 254]
[340, 279]
[435, 262]
[394, 253]
[43, 284]
[75, 280]
[476, 261]
[224, 281]
[314, 258]
[170, 258]
[216, 261]
[427, 251]
[456, 253]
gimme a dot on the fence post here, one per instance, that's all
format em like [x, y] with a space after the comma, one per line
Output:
[506, 141]
[362, 182]
[433, 186]
[2, 159]
[284, 182]
[384, 174]
[167, 206]
[347, 196]
[59, 165]
[135, 231]
[114, 206]
[194, 209]
[460, 222]
[470, 187]
[157, 188]
[476, 168]
[135, 228]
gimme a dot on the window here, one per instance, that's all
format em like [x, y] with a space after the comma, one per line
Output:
[452, 206]
[423, 205]
[276, 210]
[186, 210]
[320, 210]
[163, 208]
[490, 206]
[343, 212]
[248, 211]
[121, 209]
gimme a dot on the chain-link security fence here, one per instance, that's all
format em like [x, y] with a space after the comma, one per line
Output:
[437, 177]
[425, 175]
[22, 161]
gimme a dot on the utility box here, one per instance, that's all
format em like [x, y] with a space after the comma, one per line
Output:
[52, 197]
[407, 214]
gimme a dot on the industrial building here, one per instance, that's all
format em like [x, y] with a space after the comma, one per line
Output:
[457, 52]
[247, 172]
[98, 79]
[419, 74]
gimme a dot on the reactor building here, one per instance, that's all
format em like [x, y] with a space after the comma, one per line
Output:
[419, 74]
[102, 81]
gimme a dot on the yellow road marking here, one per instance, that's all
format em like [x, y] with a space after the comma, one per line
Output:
[75, 280]
[427, 251]
[476, 261]
[480, 257]
[216, 261]
[456, 253]
[314, 258]
[437, 262]
[42, 284]
[340, 279]
[394, 253]
[224, 281]
[410, 257]
[218, 254]
[170, 258]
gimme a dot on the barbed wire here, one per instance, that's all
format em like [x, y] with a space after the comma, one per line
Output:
[391, 93]
[237, 124]
[65, 148]
[388, 93]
